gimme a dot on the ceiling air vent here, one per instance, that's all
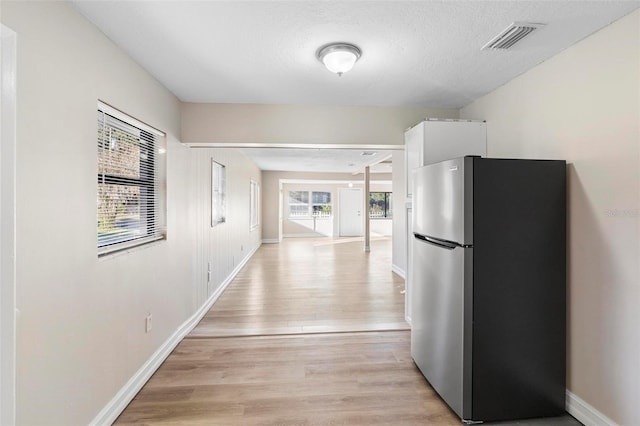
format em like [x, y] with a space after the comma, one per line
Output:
[511, 35]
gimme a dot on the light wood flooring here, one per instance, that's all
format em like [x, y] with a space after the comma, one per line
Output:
[310, 286]
[314, 379]
[292, 342]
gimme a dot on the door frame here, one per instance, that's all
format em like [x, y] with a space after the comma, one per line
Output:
[280, 210]
[7, 225]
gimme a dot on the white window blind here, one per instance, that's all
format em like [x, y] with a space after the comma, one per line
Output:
[128, 185]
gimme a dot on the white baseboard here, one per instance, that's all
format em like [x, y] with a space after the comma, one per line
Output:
[305, 235]
[119, 402]
[585, 413]
[399, 271]
[270, 241]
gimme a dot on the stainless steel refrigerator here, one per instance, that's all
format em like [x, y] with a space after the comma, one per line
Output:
[488, 325]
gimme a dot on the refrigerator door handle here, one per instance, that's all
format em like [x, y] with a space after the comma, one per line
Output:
[448, 245]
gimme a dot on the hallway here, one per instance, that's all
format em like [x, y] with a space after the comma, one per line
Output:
[310, 332]
[305, 285]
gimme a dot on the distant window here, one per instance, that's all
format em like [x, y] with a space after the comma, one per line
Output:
[129, 192]
[254, 204]
[218, 193]
[307, 204]
[321, 204]
[298, 204]
[380, 205]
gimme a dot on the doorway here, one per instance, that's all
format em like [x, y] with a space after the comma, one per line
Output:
[350, 212]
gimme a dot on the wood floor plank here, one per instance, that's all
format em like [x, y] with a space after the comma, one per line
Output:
[343, 378]
[310, 286]
[297, 339]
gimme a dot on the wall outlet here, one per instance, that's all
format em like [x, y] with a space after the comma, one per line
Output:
[147, 324]
[208, 272]
[241, 247]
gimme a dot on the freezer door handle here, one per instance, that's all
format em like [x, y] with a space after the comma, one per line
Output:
[448, 245]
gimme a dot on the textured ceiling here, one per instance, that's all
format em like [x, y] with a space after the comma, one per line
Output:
[318, 160]
[415, 53]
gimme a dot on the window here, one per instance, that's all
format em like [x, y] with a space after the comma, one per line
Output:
[298, 203]
[254, 204]
[129, 192]
[306, 204]
[380, 205]
[218, 193]
[321, 204]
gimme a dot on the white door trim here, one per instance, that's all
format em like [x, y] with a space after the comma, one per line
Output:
[7, 226]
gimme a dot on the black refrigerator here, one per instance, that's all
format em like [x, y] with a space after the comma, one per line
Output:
[488, 299]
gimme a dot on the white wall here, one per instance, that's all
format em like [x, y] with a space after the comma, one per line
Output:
[399, 188]
[81, 321]
[301, 124]
[227, 244]
[299, 227]
[7, 224]
[271, 193]
[381, 227]
[329, 227]
[80, 331]
[583, 105]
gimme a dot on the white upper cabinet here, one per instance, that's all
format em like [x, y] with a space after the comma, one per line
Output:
[431, 141]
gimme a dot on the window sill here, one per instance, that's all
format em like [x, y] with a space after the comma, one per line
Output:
[132, 246]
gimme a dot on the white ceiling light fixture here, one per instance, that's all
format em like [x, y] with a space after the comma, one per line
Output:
[339, 57]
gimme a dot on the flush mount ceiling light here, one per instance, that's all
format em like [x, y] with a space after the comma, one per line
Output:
[339, 57]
